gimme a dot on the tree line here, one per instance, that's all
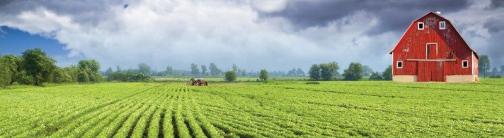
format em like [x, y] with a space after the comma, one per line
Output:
[355, 71]
[486, 70]
[34, 67]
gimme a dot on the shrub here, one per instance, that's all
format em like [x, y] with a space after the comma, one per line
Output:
[263, 75]
[230, 76]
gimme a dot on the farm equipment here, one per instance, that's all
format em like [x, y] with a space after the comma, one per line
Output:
[198, 82]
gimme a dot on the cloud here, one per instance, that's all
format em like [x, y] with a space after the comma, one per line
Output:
[255, 34]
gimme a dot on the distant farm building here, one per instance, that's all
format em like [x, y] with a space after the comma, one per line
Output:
[431, 49]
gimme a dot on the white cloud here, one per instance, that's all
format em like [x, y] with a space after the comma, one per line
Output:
[181, 32]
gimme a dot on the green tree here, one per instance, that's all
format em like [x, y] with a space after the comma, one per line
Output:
[214, 70]
[328, 71]
[354, 72]
[13, 63]
[204, 70]
[89, 69]
[375, 76]
[502, 70]
[387, 74]
[37, 65]
[234, 68]
[230, 76]
[195, 70]
[314, 72]
[367, 71]
[263, 75]
[169, 70]
[83, 76]
[5, 74]
[144, 69]
[109, 71]
[484, 65]
[60, 75]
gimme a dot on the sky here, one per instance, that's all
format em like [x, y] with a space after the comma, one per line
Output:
[254, 34]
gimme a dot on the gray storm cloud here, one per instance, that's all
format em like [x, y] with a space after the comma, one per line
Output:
[255, 34]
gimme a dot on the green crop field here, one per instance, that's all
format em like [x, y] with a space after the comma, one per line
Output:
[250, 109]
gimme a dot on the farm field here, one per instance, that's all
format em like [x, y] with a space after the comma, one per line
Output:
[250, 109]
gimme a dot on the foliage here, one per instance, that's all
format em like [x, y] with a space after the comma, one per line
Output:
[263, 75]
[387, 74]
[230, 76]
[5, 74]
[214, 70]
[366, 70]
[314, 72]
[13, 65]
[37, 65]
[195, 70]
[354, 72]
[204, 70]
[144, 69]
[484, 65]
[329, 71]
[375, 76]
[89, 71]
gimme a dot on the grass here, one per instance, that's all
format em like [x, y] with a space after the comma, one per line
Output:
[250, 109]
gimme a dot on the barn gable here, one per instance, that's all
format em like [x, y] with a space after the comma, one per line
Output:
[431, 49]
[449, 26]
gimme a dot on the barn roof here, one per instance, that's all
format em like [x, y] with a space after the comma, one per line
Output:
[438, 15]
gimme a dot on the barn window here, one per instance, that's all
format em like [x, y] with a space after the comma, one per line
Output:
[465, 63]
[399, 64]
[420, 25]
[442, 25]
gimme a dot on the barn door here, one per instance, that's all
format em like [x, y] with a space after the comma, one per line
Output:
[431, 51]
[437, 73]
[431, 71]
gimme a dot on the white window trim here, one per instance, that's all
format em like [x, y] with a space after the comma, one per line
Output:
[418, 26]
[463, 64]
[427, 47]
[402, 64]
[442, 27]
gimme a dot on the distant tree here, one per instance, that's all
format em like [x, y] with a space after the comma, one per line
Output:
[387, 74]
[300, 72]
[354, 72]
[118, 69]
[37, 65]
[60, 75]
[144, 69]
[375, 76]
[328, 71]
[495, 71]
[89, 71]
[214, 70]
[230, 76]
[502, 70]
[169, 70]
[5, 74]
[83, 76]
[263, 75]
[484, 65]
[13, 64]
[204, 70]
[235, 68]
[314, 72]
[242, 72]
[366, 70]
[73, 72]
[195, 70]
[109, 71]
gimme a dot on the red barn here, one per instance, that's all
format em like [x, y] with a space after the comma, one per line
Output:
[431, 49]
